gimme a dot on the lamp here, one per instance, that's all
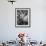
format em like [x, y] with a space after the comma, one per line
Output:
[12, 1]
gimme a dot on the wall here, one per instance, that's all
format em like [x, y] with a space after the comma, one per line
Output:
[37, 30]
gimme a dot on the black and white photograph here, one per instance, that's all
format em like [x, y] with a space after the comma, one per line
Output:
[22, 17]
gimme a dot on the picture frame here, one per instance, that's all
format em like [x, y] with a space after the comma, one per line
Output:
[22, 17]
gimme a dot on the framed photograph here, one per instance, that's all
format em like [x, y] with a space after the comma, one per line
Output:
[22, 17]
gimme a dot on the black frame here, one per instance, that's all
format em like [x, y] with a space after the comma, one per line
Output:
[21, 26]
